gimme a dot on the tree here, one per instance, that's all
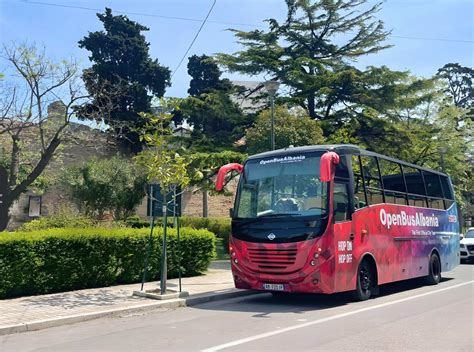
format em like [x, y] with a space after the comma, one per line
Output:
[161, 159]
[292, 127]
[30, 135]
[310, 53]
[458, 86]
[163, 164]
[113, 185]
[456, 119]
[121, 58]
[206, 76]
[216, 120]
[203, 169]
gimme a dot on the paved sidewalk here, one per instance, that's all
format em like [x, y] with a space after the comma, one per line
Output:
[38, 312]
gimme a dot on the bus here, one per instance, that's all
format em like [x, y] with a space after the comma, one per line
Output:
[336, 218]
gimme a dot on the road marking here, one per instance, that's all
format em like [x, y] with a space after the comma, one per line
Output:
[319, 321]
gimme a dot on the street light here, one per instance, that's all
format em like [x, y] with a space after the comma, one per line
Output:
[271, 87]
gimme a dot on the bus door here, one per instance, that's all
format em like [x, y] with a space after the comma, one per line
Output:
[345, 263]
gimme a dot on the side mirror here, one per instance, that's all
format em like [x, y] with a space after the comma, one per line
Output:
[224, 170]
[326, 167]
[461, 237]
[231, 212]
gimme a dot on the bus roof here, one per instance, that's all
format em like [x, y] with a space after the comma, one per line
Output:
[338, 148]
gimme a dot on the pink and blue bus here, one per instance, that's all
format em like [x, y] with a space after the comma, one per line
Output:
[336, 218]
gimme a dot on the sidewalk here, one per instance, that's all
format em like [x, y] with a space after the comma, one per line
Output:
[40, 312]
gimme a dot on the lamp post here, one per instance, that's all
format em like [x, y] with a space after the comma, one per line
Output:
[205, 207]
[271, 87]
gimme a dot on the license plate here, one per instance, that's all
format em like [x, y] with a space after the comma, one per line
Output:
[274, 287]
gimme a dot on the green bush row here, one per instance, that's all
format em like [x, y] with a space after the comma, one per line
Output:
[61, 220]
[59, 260]
[219, 226]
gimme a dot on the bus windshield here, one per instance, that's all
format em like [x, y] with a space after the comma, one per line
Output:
[286, 185]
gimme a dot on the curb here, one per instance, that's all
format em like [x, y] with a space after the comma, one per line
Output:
[170, 304]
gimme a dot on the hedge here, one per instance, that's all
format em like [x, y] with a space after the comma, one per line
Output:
[58, 221]
[57, 260]
[221, 227]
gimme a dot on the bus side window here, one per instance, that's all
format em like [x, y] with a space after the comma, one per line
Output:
[448, 194]
[393, 183]
[433, 189]
[415, 186]
[359, 195]
[373, 185]
[341, 202]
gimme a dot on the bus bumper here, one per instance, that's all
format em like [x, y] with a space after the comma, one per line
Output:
[309, 274]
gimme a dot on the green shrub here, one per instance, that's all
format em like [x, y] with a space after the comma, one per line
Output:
[136, 222]
[60, 220]
[58, 260]
[221, 227]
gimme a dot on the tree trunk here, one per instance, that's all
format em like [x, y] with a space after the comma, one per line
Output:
[204, 203]
[5, 201]
[312, 107]
[15, 161]
[4, 214]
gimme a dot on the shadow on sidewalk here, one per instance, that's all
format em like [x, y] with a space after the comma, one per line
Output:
[71, 300]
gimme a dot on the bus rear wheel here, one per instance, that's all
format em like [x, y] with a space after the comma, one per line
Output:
[434, 276]
[365, 281]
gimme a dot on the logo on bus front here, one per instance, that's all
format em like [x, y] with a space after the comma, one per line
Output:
[271, 236]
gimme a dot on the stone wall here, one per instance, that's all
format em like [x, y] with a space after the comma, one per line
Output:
[81, 144]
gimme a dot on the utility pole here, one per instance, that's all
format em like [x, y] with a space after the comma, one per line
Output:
[205, 196]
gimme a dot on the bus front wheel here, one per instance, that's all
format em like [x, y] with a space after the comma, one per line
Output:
[366, 281]
[434, 276]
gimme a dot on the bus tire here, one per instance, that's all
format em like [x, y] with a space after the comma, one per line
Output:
[365, 281]
[434, 276]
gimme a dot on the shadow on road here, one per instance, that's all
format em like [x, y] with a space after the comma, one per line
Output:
[266, 303]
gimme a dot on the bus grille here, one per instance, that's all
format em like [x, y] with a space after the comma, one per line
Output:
[272, 259]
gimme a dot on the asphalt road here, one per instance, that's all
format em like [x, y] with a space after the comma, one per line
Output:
[405, 317]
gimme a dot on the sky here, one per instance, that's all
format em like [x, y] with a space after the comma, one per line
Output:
[426, 34]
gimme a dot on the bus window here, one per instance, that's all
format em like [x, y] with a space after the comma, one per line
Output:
[448, 194]
[373, 185]
[393, 184]
[415, 186]
[433, 190]
[342, 171]
[341, 201]
[359, 194]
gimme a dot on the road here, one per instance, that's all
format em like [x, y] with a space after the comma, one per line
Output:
[406, 316]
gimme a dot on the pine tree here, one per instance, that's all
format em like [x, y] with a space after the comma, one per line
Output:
[121, 60]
